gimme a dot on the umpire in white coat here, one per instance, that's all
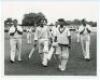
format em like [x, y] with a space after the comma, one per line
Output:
[15, 41]
[85, 31]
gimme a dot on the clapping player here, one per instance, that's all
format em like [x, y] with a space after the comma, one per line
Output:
[15, 33]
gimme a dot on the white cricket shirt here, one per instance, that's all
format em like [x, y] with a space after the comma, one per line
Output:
[62, 35]
[15, 33]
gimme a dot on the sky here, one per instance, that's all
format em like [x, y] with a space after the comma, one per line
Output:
[51, 9]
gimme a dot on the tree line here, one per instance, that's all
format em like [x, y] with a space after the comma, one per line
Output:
[35, 19]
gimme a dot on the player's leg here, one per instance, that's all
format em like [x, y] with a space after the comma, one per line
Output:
[78, 37]
[45, 53]
[64, 58]
[13, 50]
[40, 46]
[87, 56]
[28, 37]
[58, 56]
[19, 43]
[52, 50]
[83, 46]
[50, 53]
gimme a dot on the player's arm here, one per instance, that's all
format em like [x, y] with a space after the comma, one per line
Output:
[11, 31]
[55, 35]
[55, 38]
[20, 30]
[81, 29]
[35, 37]
[81, 32]
[89, 29]
[51, 36]
[69, 36]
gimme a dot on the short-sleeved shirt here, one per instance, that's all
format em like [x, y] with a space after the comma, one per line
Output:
[62, 35]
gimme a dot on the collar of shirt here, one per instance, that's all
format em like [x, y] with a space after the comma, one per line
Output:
[61, 29]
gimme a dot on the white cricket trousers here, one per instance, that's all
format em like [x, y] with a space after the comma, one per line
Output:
[43, 48]
[16, 45]
[78, 37]
[63, 52]
[85, 47]
[52, 50]
[28, 37]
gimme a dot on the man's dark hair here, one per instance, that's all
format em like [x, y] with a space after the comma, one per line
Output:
[61, 25]
[61, 20]
[15, 20]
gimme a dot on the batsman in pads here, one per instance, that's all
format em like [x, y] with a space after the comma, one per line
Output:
[63, 37]
[54, 44]
[42, 40]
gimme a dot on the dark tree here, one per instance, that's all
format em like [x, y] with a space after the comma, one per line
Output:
[93, 24]
[33, 19]
[8, 22]
[76, 22]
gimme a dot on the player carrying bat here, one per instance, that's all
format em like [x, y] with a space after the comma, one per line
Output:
[42, 40]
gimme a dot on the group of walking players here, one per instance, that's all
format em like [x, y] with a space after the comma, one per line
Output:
[50, 40]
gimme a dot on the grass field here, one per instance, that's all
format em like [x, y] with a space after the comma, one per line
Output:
[76, 64]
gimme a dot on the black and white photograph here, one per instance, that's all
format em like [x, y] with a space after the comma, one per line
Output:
[50, 38]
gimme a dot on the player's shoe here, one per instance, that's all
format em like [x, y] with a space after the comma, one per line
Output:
[60, 68]
[87, 60]
[19, 60]
[11, 61]
[45, 63]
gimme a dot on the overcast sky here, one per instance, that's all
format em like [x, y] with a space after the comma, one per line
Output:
[52, 10]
